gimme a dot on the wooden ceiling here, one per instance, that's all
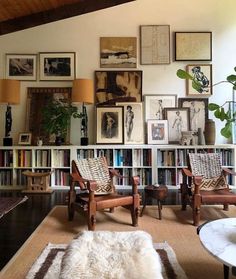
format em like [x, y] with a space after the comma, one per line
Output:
[16, 15]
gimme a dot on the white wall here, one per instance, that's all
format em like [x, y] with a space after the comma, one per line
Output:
[81, 35]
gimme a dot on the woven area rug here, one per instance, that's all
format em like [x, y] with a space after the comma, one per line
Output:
[47, 266]
[8, 203]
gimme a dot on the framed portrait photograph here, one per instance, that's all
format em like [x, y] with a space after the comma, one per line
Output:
[57, 66]
[117, 86]
[154, 44]
[24, 139]
[133, 123]
[157, 131]
[21, 66]
[203, 74]
[118, 52]
[178, 121]
[198, 111]
[155, 104]
[110, 125]
[193, 46]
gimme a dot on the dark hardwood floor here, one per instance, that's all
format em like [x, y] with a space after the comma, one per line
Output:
[17, 225]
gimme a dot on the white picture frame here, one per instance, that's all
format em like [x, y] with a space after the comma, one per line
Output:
[157, 131]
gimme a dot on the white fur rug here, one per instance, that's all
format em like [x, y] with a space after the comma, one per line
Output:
[48, 264]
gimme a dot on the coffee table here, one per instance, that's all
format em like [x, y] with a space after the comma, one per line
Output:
[219, 239]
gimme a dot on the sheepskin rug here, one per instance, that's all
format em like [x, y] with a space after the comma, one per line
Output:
[111, 255]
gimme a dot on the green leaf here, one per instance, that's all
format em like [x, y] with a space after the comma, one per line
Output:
[213, 106]
[226, 131]
[231, 78]
[196, 85]
[183, 74]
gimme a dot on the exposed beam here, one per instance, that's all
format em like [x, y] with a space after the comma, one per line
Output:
[83, 7]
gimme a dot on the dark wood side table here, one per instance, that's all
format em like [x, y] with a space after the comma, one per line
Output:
[159, 193]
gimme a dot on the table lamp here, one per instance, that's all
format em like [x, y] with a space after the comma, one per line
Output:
[83, 92]
[10, 95]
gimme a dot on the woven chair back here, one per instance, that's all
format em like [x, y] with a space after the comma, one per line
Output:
[96, 169]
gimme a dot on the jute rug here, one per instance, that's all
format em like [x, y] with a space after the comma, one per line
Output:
[8, 203]
[175, 228]
[48, 263]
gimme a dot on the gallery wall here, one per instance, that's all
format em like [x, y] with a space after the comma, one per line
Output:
[81, 35]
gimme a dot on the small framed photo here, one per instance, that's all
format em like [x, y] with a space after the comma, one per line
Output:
[192, 46]
[155, 104]
[157, 131]
[57, 66]
[21, 66]
[133, 123]
[154, 44]
[198, 111]
[118, 52]
[203, 74]
[117, 86]
[178, 121]
[110, 125]
[24, 139]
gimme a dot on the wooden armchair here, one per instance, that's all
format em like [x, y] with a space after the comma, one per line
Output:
[97, 191]
[205, 183]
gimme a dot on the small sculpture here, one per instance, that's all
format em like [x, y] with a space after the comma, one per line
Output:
[187, 138]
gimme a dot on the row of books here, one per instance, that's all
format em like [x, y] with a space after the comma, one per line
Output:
[6, 177]
[61, 178]
[6, 158]
[42, 158]
[24, 158]
[165, 157]
[166, 177]
[61, 158]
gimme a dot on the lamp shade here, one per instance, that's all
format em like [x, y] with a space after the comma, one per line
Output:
[9, 91]
[82, 91]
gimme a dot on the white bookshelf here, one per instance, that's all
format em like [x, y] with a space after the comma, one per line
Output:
[155, 164]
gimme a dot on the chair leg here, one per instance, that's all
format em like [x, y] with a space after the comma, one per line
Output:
[112, 209]
[196, 209]
[135, 210]
[226, 206]
[184, 196]
[91, 216]
[71, 200]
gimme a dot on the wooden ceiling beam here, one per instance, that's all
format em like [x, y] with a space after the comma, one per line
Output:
[60, 13]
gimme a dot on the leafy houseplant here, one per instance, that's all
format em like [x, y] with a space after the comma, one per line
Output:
[56, 118]
[222, 112]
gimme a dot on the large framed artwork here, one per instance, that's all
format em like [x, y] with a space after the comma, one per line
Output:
[202, 73]
[118, 52]
[57, 66]
[155, 104]
[37, 99]
[118, 86]
[178, 121]
[157, 131]
[21, 66]
[198, 111]
[110, 125]
[133, 123]
[154, 44]
[192, 46]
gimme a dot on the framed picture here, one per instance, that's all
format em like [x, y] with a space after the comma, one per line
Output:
[157, 131]
[21, 66]
[203, 74]
[193, 46]
[24, 139]
[110, 125]
[155, 104]
[178, 121]
[57, 65]
[118, 86]
[154, 44]
[133, 123]
[118, 52]
[198, 112]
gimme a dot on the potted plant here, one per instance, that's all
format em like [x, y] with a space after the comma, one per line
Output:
[56, 118]
[225, 111]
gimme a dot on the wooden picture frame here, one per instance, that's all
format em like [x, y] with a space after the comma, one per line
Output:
[117, 86]
[55, 66]
[157, 131]
[203, 74]
[21, 66]
[37, 98]
[193, 46]
[154, 44]
[198, 111]
[155, 104]
[24, 139]
[178, 121]
[133, 123]
[110, 128]
[118, 52]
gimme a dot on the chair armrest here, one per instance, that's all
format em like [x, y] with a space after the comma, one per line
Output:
[135, 182]
[228, 171]
[187, 172]
[114, 172]
[91, 184]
